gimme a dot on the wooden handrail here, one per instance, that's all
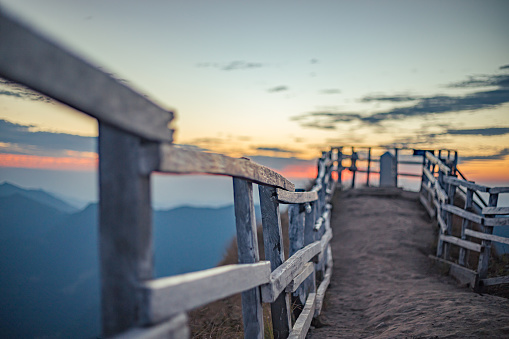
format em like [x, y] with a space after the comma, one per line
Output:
[173, 159]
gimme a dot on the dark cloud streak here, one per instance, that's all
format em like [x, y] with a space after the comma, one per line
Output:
[424, 106]
[232, 65]
[490, 131]
[278, 89]
[275, 149]
[21, 136]
[497, 156]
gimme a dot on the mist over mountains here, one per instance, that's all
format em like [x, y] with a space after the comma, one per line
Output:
[49, 261]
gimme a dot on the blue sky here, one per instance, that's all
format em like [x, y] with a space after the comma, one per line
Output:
[285, 79]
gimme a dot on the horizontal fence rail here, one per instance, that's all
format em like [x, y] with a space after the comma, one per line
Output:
[439, 189]
[389, 163]
[135, 141]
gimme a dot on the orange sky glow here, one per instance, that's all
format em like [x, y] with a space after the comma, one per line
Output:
[49, 163]
[485, 171]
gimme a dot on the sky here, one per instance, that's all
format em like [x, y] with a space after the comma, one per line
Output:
[276, 81]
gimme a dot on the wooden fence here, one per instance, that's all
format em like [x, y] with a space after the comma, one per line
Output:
[366, 156]
[440, 186]
[134, 141]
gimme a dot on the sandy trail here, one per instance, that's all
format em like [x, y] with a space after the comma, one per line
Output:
[383, 283]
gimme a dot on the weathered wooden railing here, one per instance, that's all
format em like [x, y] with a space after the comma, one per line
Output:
[134, 141]
[439, 188]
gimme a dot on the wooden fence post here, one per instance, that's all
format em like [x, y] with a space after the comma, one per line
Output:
[484, 256]
[274, 251]
[340, 166]
[396, 167]
[463, 255]
[296, 216]
[125, 228]
[441, 246]
[353, 166]
[455, 163]
[450, 195]
[369, 167]
[247, 244]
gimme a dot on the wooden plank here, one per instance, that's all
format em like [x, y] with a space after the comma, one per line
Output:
[467, 184]
[463, 243]
[309, 223]
[496, 221]
[443, 167]
[425, 203]
[321, 220]
[301, 327]
[495, 281]
[484, 256]
[368, 167]
[429, 175]
[176, 328]
[485, 236]
[30, 59]
[317, 187]
[427, 188]
[440, 192]
[247, 248]
[441, 223]
[286, 197]
[274, 251]
[496, 190]
[296, 227]
[451, 189]
[163, 298]
[320, 293]
[319, 224]
[465, 224]
[460, 273]
[175, 159]
[284, 274]
[462, 213]
[325, 240]
[495, 210]
[125, 229]
[309, 269]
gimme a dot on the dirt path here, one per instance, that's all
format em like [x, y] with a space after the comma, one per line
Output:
[383, 284]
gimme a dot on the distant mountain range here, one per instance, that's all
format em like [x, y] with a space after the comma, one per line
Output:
[49, 259]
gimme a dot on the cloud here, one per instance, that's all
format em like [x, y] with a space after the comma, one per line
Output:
[278, 89]
[497, 156]
[500, 80]
[22, 140]
[395, 98]
[232, 65]
[19, 91]
[330, 91]
[422, 106]
[275, 149]
[504, 67]
[490, 131]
